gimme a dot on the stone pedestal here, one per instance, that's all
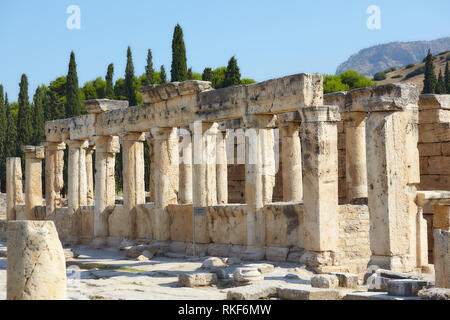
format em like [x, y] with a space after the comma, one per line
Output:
[104, 196]
[204, 173]
[185, 152]
[222, 168]
[320, 183]
[14, 194]
[292, 163]
[165, 143]
[33, 179]
[54, 179]
[133, 176]
[36, 265]
[355, 146]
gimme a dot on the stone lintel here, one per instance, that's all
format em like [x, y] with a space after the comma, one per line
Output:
[34, 152]
[54, 146]
[320, 114]
[386, 98]
[335, 99]
[285, 119]
[435, 197]
[103, 105]
[167, 91]
[434, 101]
[354, 118]
[260, 121]
[107, 144]
[132, 136]
[77, 143]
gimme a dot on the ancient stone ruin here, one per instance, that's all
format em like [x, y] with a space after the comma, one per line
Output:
[360, 173]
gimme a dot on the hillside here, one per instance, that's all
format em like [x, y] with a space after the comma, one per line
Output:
[400, 74]
[395, 54]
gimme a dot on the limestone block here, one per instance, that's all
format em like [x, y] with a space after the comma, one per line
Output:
[196, 279]
[441, 217]
[434, 101]
[442, 258]
[405, 288]
[377, 283]
[324, 281]
[276, 253]
[262, 267]
[295, 254]
[434, 294]
[253, 291]
[308, 294]
[445, 148]
[177, 247]
[346, 280]
[201, 249]
[219, 250]
[212, 262]
[434, 116]
[284, 224]
[36, 267]
[180, 222]
[232, 261]
[253, 254]
[247, 274]
[144, 220]
[227, 224]
[118, 222]
[434, 132]
[102, 105]
[429, 149]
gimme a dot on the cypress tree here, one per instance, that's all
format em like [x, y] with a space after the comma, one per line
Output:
[39, 124]
[189, 74]
[73, 105]
[130, 90]
[447, 79]
[207, 74]
[440, 86]
[56, 106]
[179, 63]
[109, 91]
[11, 131]
[24, 117]
[163, 75]
[429, 82]
[232, 75]
[2, 141]
[149, 72]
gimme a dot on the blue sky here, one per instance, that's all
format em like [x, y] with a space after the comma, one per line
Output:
[269, 38]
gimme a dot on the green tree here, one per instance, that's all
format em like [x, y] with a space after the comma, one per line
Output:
[11, 131]
[3, 125]
[207, 74]
[247, 81]
[179, 63]
[333, 83]
[218, 77]
[24, 116]
[109, 91]
[130, 89]
[233, 74]
[447, 79]
[73, 105]
[163, 75]
[429, 81]
[355, 80]
[189, 74]
[38, 118]
[149, 72]
[440, 85]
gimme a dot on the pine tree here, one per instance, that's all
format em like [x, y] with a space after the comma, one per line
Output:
[207, 74]
[179, 63]
[38, 121]
[163, 75]
[11, 131]
[73, 105]
[447, 79]
[109, 91]
[24, 116]
[130, 90]
[149, 72]
[232, 75]
[440, 86]
[2, 141]
[429, 82]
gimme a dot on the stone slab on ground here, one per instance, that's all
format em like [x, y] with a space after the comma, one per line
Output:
[434, 294]
[365, 295]
[405, 288]
[262, 267]
[252, 292]
[197, 279]
[346, 280]
[304, 292]
[327, 281]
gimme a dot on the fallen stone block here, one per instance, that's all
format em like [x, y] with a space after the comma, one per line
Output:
[434, 294]
[253, 254]
[196, 279]
[252, 292]
[376, 283]
[212, 262]
[405, 288]
[398, 275]
[324, 281]
[262, 267]
[221, 273]
[36, 265]
[276, 253]
[247, 274]
[308, 294]
[346, 280]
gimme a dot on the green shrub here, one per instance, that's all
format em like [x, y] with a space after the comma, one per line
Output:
[397, 76]
[415, 72]
[390, 70]
[409, 66]
[379, 76]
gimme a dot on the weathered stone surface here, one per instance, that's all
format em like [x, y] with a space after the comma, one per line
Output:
[253, 291]
[247, 274]
[212, 262]
[196, 279]
[36, 268]
[377, 283]
[308, 294]
[346, 280]
[283, 227]
[102, 105]
[218, 250]
[324, 281]
[253, 254]
[14, 195]
[442, 258]
[405, 288]
[434, 294]
[232, 261]
[276, 253]
[295, 254]
[262, 267]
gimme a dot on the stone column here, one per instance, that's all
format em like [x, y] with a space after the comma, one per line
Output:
[355, 157]
[54, 179]
[204, 174]
[90, 175]
[320, 184]
[268, 163]
[104, 195]
[222, 168]
[392, 174]
[165, 143]
[14, 194]
[185, 152]
[133, 176]
[291, 159]
[33, 179]
[149, 139]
